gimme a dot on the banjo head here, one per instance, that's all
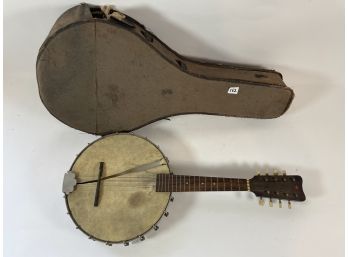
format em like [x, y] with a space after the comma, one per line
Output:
[128, 205]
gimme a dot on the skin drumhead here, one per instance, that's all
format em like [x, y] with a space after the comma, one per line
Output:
[128, 204]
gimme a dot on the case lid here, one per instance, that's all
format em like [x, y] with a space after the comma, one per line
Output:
[100, 71]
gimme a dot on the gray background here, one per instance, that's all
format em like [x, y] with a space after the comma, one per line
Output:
[304, 40]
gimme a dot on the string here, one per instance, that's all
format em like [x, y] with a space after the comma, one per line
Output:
[139, 168]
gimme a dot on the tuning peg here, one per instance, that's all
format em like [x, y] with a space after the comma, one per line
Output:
[289, 204]
[261, 201]
[280, 203]
[284, 173]
[275, 173]
[258, 173]
[270, 202]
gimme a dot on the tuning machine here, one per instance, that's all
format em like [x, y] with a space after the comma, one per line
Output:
[280, 203]
[289, 204]
[261, 201]
[270, 202]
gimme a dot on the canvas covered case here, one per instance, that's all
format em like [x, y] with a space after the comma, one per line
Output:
[100, 71]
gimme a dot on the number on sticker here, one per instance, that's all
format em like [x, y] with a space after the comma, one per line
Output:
[233, 90]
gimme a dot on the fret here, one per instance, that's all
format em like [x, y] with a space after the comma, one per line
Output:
[189, 184]
[168, 183]
[183, 183]
[180, 183]
[171, 185]
[165, 185]
[223, 179]
[176, 184]
[205, 183]
[164, 182]
[159, 182]
[160, 185]
[238, 184]
[194, 187]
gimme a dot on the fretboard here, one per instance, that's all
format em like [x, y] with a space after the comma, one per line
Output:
[181, 183]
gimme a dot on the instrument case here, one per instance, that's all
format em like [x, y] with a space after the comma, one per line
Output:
[101, 71]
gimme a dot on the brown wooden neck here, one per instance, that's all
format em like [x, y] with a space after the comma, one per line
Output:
[181, 183]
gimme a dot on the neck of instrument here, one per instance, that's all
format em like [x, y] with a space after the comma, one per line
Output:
[181, 183]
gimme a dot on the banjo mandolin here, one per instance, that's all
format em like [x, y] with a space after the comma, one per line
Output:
[119, 186]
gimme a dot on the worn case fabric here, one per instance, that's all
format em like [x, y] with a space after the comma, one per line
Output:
[103, 74]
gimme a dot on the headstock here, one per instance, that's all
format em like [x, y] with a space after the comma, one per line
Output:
[277, 187]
